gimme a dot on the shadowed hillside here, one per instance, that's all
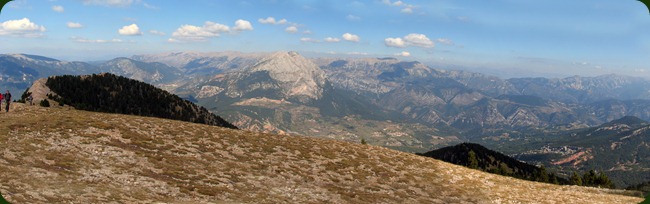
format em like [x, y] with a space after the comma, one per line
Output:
[57, 154]
[116, 94]
[478, 157]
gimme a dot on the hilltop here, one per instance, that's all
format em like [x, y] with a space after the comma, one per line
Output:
[492, 161]
[116, 94]
[58, 154]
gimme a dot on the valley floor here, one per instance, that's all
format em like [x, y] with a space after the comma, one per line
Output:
[55, 155]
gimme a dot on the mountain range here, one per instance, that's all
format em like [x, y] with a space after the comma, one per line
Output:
[387, 102]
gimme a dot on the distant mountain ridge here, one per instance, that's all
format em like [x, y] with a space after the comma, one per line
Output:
[151, 72]
[352, 98]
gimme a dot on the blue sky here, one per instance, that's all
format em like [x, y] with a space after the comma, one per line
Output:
[503, 37]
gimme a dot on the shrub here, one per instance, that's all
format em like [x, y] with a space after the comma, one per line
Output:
[45, 103]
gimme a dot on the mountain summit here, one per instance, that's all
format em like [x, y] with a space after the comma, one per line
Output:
[298, 76]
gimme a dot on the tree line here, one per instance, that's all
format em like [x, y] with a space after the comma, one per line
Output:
[481, 158]
[116, 94]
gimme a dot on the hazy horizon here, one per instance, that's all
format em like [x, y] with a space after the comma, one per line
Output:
[518, 38]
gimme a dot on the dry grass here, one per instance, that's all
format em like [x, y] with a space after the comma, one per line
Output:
[54, 155]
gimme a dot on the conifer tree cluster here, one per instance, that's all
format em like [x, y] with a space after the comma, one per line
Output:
[116, 94]
[596, 180]
[478, 157]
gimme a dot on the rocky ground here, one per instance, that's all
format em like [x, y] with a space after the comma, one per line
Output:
[56, 155]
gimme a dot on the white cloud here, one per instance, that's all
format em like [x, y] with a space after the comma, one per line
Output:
[351, 37]
[156, 32]
[413, 39]
[307, 32]
[21, 28]
[110, 3]
[74, 25]
[207, 31]
[331, 39]
[311, 40]
[419, 40]
[58, 9]
[408, 10]
[353, 18]
[394, 42]
[149, 6]
[271, 20]
[268, 20]
[403, 54]
[241, 25]
[86, 40]
[132, 29]
[445, 41]
[396, 3]
[291, 29]
[215, 27]
[195, 33]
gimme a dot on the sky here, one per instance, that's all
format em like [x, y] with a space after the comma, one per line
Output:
[508, 38]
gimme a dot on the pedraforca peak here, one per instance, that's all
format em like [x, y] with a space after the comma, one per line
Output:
[297, 75]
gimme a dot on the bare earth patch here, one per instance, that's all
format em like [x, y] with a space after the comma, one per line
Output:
[55, 155]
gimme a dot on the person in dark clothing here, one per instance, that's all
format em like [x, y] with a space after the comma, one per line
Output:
[7, 99]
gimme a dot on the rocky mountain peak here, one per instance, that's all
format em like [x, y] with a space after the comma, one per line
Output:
[297, 75]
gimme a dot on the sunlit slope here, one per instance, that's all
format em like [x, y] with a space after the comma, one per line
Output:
[54, 155]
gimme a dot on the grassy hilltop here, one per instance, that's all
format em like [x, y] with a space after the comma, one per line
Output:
[57, 154]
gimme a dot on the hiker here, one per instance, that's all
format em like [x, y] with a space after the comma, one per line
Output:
[7, 99]
[31, 100]
[1, 98]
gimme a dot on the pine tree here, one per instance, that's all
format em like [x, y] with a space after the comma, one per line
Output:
[543, 176]
[589, 178]
[575, 179]
[472, 160]
[504, 169]
[554, 179]
[601, 180]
